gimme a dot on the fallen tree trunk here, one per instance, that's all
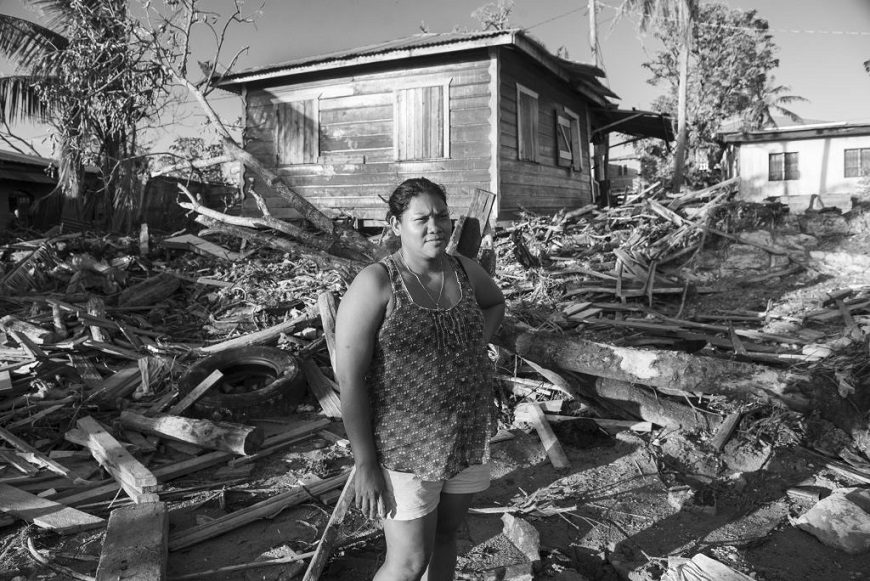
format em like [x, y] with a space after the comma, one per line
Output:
[656, 368]
[224, 436]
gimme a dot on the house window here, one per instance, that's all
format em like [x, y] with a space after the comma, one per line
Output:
[422, 123]
[527, 124]
[857, 162]
[783, 166]
[568, 151]
[297, 133]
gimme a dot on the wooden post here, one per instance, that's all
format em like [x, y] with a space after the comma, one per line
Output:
[225, 436]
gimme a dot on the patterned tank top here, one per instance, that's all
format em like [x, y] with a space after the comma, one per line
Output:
[430, 384]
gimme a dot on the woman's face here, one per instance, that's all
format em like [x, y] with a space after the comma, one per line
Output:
[424, 227]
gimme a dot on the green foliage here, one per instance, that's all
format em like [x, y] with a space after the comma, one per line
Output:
[190, 149]
[730, 64]
[494, 15]
[93, 79]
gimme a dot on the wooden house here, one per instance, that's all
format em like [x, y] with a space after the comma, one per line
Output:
[828, 161]
[491, 110]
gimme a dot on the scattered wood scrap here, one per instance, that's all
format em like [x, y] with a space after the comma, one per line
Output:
[45, 513]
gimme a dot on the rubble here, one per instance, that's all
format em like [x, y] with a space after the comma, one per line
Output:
[669, 315]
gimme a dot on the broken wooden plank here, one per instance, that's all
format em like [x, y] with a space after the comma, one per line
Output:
[726, 428]
[468, 231]
[322, 388]
[5, 384]
[201, 246]
[259, 337]
[150, 291]
[136, 544]
[195, 393]
[45, 513]
[532, 413]
[224, 436]
[330, 533]
[40, 458]
[18, 462]
[262, 509]
[136, 480]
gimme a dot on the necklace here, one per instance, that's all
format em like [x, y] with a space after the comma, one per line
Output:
[436, 302]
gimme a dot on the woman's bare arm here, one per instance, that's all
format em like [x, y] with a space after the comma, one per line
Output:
[488, 295]
[359, 316]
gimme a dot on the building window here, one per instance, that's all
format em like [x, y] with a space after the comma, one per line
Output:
[297, 132]
[857, 162]
[568, 151]
[422, 126]
[783, 166]
[527, 124]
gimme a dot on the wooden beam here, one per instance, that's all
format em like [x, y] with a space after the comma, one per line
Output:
[136, 544]
[44, 513]
[263, 509]
[330, 533]
[195, 393]
[136, 480]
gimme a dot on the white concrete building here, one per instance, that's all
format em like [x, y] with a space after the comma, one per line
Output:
[830, 160]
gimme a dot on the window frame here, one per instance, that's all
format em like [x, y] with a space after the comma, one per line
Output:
[863, 152]
[782, 173]
[535, 126]
[422, 83]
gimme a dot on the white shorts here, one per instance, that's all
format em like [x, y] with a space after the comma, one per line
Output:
[413, 498]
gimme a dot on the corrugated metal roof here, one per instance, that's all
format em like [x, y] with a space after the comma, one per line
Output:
[583, 76]
[422, 40]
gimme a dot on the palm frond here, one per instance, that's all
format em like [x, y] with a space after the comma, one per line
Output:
[26, 43]
[20, 100]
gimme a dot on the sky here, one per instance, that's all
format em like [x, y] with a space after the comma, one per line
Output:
[822, 44]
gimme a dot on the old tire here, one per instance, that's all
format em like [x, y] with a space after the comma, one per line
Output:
[255, 379]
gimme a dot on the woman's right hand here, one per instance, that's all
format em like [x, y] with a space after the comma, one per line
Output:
[371, 494]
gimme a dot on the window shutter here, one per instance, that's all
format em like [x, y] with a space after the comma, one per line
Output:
[575, 144]
[564, 142]
[297, 133]
[420, 123]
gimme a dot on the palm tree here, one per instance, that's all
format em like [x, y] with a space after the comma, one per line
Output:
[766, 101]
[33, 48]
[85, 74]
[683, 13]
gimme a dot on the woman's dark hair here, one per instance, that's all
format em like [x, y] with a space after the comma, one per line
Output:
[409, 189]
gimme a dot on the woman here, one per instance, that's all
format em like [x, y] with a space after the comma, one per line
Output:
[416, 391]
